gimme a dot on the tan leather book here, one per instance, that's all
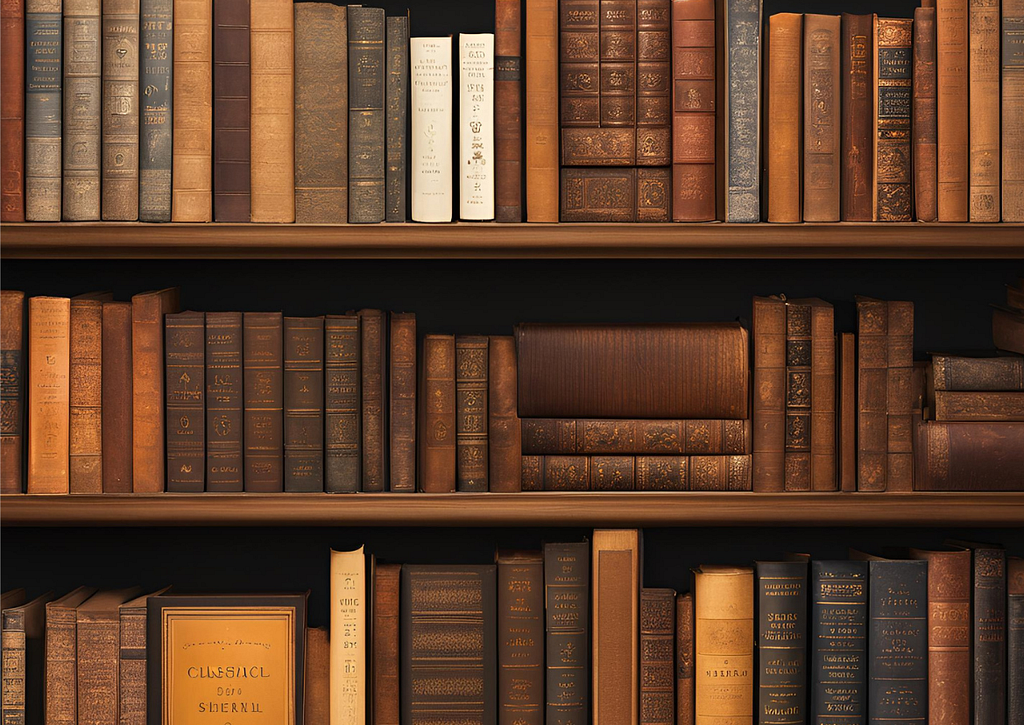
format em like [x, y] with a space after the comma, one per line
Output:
[983, 22]
[98, 653]
[348, 637]
[82, 100]
[61, 688]
[12, 364]
[769, 401]
[117, 397]
[616, 626]
[49, 377]
[872, 392]
[977, 406]
[924, 121]
[724, 644]
[316, 697]
[385, 639]
[86, 396]
[785, 116]
[1013, 110]
[847, 411]
[821, 118]
[893, 197]
[542, 110]
[504, 431]
[192, 149]
[120, 161]
[272, 121]
[951, 36]
[437, 415]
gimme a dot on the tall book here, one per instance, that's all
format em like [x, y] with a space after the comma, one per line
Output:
[821, 159]
[1012, 141]
[430, 165]
[684, 660]
[858, 87]
[872, 394]
[951, 54]
[373, 397]
[303, 404]
[185, 386]
[437, 438]
[520, 637]
[823, 396]
[49, 363]
[782, 642]
[925, 122]
[900, 396]
[148, 463]
[769, 402]
[618, 46]
[476, 126]
[272, 120]
[542, 110]
[984, 72]
[657, 656]
[893, 198]
[61, 668]
[838, 645]
[508, 105]
[82, 100]
[24, 625]
[321, 114]
[192, 138]
[131, 680]
[1015, 638]
[120, 123]
[12, 117]
[316, 696]
[653, 83]
[387, 658]
[567, 632]
[44, 77]
[13, 359]
[263, 400]
[579, 63]
[799, 395]
[116, 396]
[616, 609]
[402, 402]
[846, 411]
[784, 116]
[85, 428]
[231, 94]
[342, 411]
[724, 643]
[366, 115]
[156, 40]
[471, 412]
[97, 631]
[396, 105]
[224, 401]
[504, 434]
[348, 636]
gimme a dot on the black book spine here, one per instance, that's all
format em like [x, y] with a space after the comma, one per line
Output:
[567, 632]
[397, 105]
[365, 115]
[157, 58]
[839, 618]
[343, 440]
[782, 642]
[989, 636]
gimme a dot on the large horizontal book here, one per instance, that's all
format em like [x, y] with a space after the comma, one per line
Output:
[640, 473]
[572, 436]
[1004, 373]
[956, 405]
[972, 456]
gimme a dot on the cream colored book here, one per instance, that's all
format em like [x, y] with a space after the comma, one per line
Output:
[348, 637]
[431, 63]
[476, 126]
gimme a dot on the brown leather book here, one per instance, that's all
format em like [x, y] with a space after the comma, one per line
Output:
[900, 396]
[693, 110]
[61, 671]
[872, 394]
[117, 397]
[1012, 138]
[185, 335]
[342, 413]
[924, 121]
[231, 110]
[12, 372]
[98, 654]
[1015, 635]
[316, 683]
[532, 478]
[821, 118]
[858, 117]
[640, 473]
[374, 351]
[321, 113]
[263, 375]
[80, 130]
[579, 63]
[951, 44]
[570, 436]
[984, 73]
[148, 310]
[951, 405]
[504, 433]
[402, 400]
[192, 150]
[508, 129]
[615, 651]
[798, 395]
[654, 194]
[719, 473]
[131, 681]
[437, 415]
[386, 656]
[724, 643]
[657, 656]
[974, 456]
[600, 195]
[784, 116]
[893, 197]
[1004, 373]
[49, 359]
[847, 412]
[769, 403]
[609, 146]
[684, 659]
[652, 371]
[542, 110]
[520, 637]
[12, 100]
[120, 121]
[224, 394]
[618, 26]
[44, 78]
[304, 404]
[823, 397]
[85, 430]
[567, 632]
[1008, 330]
[558, 473]
[471, 412]
[24, 626]
[653, 83]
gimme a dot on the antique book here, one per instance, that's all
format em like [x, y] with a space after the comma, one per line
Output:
[900, 396]
[621, 195]
[373, 394]
[97, 634]
[85, 429]
[396, 104]
[116, 395]
[13, 359]
[303, 404]
[471, 412]
[657, 656]
[402, 402]
[615, 648]
[567, 632]
[192, 137]
[120, 123]
[24, 625]
[431, 159]
[952, 405]
[82, 100]
[148, 310]
[985, 456]
[508, 112]
[1015, 295]
[660, 371]
[607, 146]
[784, 116]
[769, 401]
[231, 93]
[823, 397]
[724, 644]
[448, 628]
[520, 637]
[437, 415]
[386, 643]
[561, 473]
[846, 412]
[44, 77]
[821, 144]
[654, 194]
[694, 106]
[184, 365]
[476, 126]
[983, 74]
[542, 86]
[504, 433]
[951, 54]
[924, 123]
[1012, 142]
[366, 115]
[617, 28]
[872, 394]
[61, 646]
[49, 362]
[893, 198]
[224, 401]
[1008, 329]
[131, 680]
[263, 401]
[321, 114]
[684, 664]
[996, 374]
[12, 117]
[348, 636]
[799, 394]
[782, 641]
[316, 700]
[641, 473]
[156, 43]
[858, 86]
[1015, 637]
[579, 63]
[272, 119]
[570, 436]
[653, 83]
[343, 441]
[838, 645]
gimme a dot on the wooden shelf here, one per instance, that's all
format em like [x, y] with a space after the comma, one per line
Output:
[523, 509]
[488, 240]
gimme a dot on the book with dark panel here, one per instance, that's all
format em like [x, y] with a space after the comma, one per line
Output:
[838, 646]
[185, 369]
[396, 107]
[567, 632]
[303, 404]
[520, 637]
[231, 137]
[366, 120]
[224, 401]
[343, 442]
[263, 373]
[373, 333]
[782, 642]
[402, 392]
[508, 106]
[657, 656]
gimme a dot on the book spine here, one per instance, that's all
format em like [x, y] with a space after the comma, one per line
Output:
[642, 473]
[989, 636]
[120, 150]
[431, 163]
[396, 122]
[667, 473]
[782, 642]
[612, 473]
[532, 473]
[272, 121]
[342, 413]
[365, 115]
[720, 473]
[769, 403]
[148, 462]
[1015, 639]
[1008, 331]
[567, 632]
[13, 670]
[823, 399]
[520, 639]
[799, 394]
[186, 387]
[224, 394]
[857, 89]
[97, 662]
[348, 658]
[839, 616]
[657, 656]
[579, 63]
[785, 116]
[724, 644]
[85, 430]
[684, 660]
[304, 404]
[49, 358]
[978, 374]
[12, 117]
[192, 136]
[558, 473]
[974, 456]
[615, 646]
[568, 436]
[654, 194]
[131, 681]
[847, 412]
[900, 396]
[504, 433]
[892, 100]
[653, 83]
[373, 393]
[949, 637]
[321, 114]
[437, 427]
[231, 93]
[82, 94]
[618, 26]
[821, 118]
[738, 32]
[599, 195]
[12, 393]
[61, 689]
[1012, 141]
[508, 128]
[983, 73]
[471, 412]
[155, 146]
[542, 85]
[44, 76]
[402, 392]
[951, 53]
[476, 126]
[951, 405]
[263, 378]
[386, 644]
[872, 395]
[924, 121]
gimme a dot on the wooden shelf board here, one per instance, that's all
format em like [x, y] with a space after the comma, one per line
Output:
[95, 240]
[522, 509]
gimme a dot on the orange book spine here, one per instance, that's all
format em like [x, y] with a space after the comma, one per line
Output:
[952, 106]
[49, 375]
[983, 21]
[785, 116]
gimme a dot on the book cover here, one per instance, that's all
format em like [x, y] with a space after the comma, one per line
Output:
[82, 88]
[304, 404]
[192, 119]
[44, 77]
[471, 412]
[508, 104]
[12, 117]
[396, 104]
[784, 116]
[343, 442]
[724, 643]
[263, 376]
[821, 143]
[49, 372]
[431, 152]
[231, 111]
[476, 126]
[366, 197]
[615, 648]
[224, 394]
[156, 39]
[13, 359]
[893, 198]
[983, 76]
[782, 642]
[567, 632]
[185, 386]
[657, 656]
[120, 150]
[838, 646]
[520, 637]
[85, 430]
[542, 110]
[437, 439]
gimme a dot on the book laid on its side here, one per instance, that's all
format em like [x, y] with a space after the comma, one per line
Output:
[640, 473]
[48, 409]
[98, 649]
[784, 116]
[567, 632]
[657, 656]
[116, 394]
[348, 636]
[24, 625]
[974, 456]
[44, 77]
[684, 660]
[402, 402]
[616, 608]
[924, 121]
[995, 374]
[131, 680]
[641, 194]
[471, 412]
[953, 405]
[872, 387]
[1008, 329]
[569, 436]
[508, 129]
[1015, 638]
[373, 328]
[983, 75]
[769, 403]
[303, 404]
[192, 136]
[263, 376]
[893, 198]
[156, 43]
[857, 66]
[504, 432]
[520, 637]
[431, 109]
[231, 93]
[61, 689]
[342, 412]
[839, 619]
[951, 58]
[396, 104]
[13, 359]
[476, 126]
[724, 643]
[82, 100]
[316, 699]
[846, 412]
[900, 396]
[436, 440]
[782, 642]
[120, 104]
[542, 84]
[653, 83]
[1012, 142]
[821, 159]
[12, 117]
[386, 643]
[366, 115]
[185, 385]
[85, 428]
[799, 394]
[224, 401]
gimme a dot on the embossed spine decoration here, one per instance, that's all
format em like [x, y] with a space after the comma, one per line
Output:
[684, 659]
[520, 638]
[872, 395]
[12, 110]
[85, 473]
[397, 107]
[989, 635]
[508, 128]
[471, 412]
[924, 120]
[782, 642]
[1013, 110]
[231, 112]
[185, 388]
[951, 37]
[476, 126]
[82, 100]
[900, 396]
[272, 174]
[120, 151]
[437, 428]
[348, 636]
[769, 401]
[49, 358]
[785, 116]
[304, 404]
[893, 78]
[431, 172]
[579, 63]
[798, 397]
[983, 22]
[657, 656]
[838, 646]
[264, 401]
[858, 117]
[365, 115]
[373, 397]
[44, 76]
[13, 359]
[192, 142]
[342, 412]
[567, 632]
[402, 402]
[542, 110]
[568, 436]
[653, 83]
[156, 99]
[821, 118]
[224, 401]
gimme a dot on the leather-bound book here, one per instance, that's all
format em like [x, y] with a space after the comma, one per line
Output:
[719, 473]
[98, 653]
[769, 403]
[616, 605]
[156, 41]
[899, 396]
[508, 116]
[609, 146]
[61, 689]
[893, 197]
[396, 104]
[520, 637]
[567, 632]
[556, 473]
[192, 137]
[185, 334]
[657, 656]
[782, 641]
[951, 44]
[653, 83]
[12, 370]
[1012, 141]
[343, 441]
[272, 119]
[131, 681]
[402, 402]
[821, 159]
[321, 114]
[476, 126]
[925, 122]
[694, 106]
[231, 92]
[838, 645]
[872, 394]
[49, 361]
[12, 118]
[659, 371]
[858, 87]
[955, 405]
[44, 78]
[85, 429]
[614, 195]
[724, 644]
[263, 401]
[618, 46]
[798, 396]
[431, 161]
[846, 412]
[684, 659]
[823, 397]
[471, 412]
[968, 456]
[1008, 330]
[120, 150]
[569, 436]
[82, 100]
[304, 404]
[641, 473]
[116, 395]
[350, 637]
[504, 433]
[224, 402]
[951, 372]
[373, 394]
[579, 63]
[316, 697]
[386, 644]
[784, 116]
[1015, 638]
[984, 73]
[1015, 295]
[448, 632]
[542, 110]
[437, 415]
[24, 625]
[654, 194]
[365, 115]
[532, 477]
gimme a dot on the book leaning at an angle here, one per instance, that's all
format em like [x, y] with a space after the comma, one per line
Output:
[476, 126]
[431, 162]
[348, 640]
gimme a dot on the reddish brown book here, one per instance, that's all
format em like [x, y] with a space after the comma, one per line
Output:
[618, 54]
[520, 637]
[437, 411]
[85, 430]
[954, 405]
[402, 392]
[579, 63]
[98, 654]
[117, 397]
[968, 456]
[373, 351]
[471, 413]
[12, 372]
[231, 111]
[542, 110]
[12, 99]
[657, 656]
[61, 669]
[872, 394]
[653, 83]
[847, 412]
[1008, 330]
[893, 197]
[798, 395]
[784, 116]
[385, 664]
[924, 121]
[823, 397]
[263, 401]
[821, 159]
[1012, 205]
[616, 194]
[504, 432]
[49, 362]
[769, 404]
[224, 394]
[951, 54]
[615, 651]
[570, 436]
[316, 682]
[858, 84]
[985, 63]
[342, 413]
[304, 404]
[640, 473]
[899, 396]
[684, 660]
[508, 116]
[186, 401]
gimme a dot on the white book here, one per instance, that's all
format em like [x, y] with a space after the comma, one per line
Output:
[348, 637]
[431, 159]
[476, 126]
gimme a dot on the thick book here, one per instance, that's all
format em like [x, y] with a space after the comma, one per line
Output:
[448, 628]
[61, 648]
[430, 163]
[263, 401]
[684, 664]
[316, 699]
[657, 656]
[653, 83]
[782, 642]
[542, 136]
[972, 456]
[858, 84]
[402, 402]
[846, 412]
[386, 662]
[156, 41]
[567, 632]
[224, 401]
[953, 405]
[924, 121]
[769, 398]
[321, 113]
[44, 78]
[893, 198]
[1012, 141]
[85, 428]
[951, 58]
[616, 618]
[821, 144]
[231, 95]
[116, 387]
[569, 436]
[192, 127]
[348, 636]
[48, 398]
[80, 195]
[984, 374]
[396, 106]
[799, 395]
[872, 387]
[12, 116]
[641, 194]
[724, 643]
[343, 442]
[13, 359]
[185, 369]
[520, 637]
[508, 112]
[476, 126]
[436, 440]
[131, 679]
[617, 29]
[24, 625]
[579, 63]
[900, 396]
[504, 433]
[303, 404]
[983, 75]
[471, 412]
[120, 150]
[97, 634]
[1015, 639]
[784, 116]
[373, 395]
[640, 473]
[366, 115]
[838, 645]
